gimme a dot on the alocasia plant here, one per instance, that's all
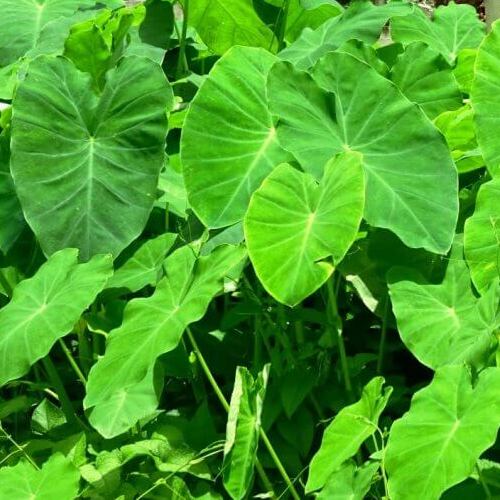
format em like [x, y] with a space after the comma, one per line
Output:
[223, 226]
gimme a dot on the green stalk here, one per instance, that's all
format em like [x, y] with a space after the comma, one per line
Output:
[58, 385]
[5, 284]
[336, 326]
[182, 66]
[84, 347]
[262, 434]
[72, 362]
[485, 486]
[383, 335]
[18, 447]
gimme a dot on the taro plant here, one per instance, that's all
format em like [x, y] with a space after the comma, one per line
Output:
[249, 250]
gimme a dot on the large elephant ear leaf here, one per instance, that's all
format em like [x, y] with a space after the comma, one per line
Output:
[297, 230]
[46, 307]
[229, 142]
[361, 21]
[445, 323]
[121, 385]
[482, 237]
[85, 166]
[438, 442]
[484, 98]
[453, 28]
[347, 105]
[22, 23]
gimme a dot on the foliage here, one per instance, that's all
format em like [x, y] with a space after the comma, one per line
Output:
[248, 249]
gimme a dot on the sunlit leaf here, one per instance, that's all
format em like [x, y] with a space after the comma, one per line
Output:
[297, 230]
[437, 442]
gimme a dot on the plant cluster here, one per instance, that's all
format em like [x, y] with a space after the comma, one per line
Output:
[248, 249]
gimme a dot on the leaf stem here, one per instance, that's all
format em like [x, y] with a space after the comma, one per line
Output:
[383, 335]
[72, 362]
[336, 325]
[18, 447]
[262, 434]
[182, 65]
[485, 486]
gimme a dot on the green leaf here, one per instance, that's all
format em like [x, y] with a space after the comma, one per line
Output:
[58, 478]
[221, 26]
[482, 237]
[347, 432]
[242, 431]
[46, 417]
[229, 142]
[11, 216]
[86, 167]
[437, 443]
[46, 307]
[349, 482]
[425, 78]
[453, 28]
[411, 182]
[294, 226]
[120, 388]
[174, 197]
[144, 266]
[22, 23]
[464, 69]
[445, 323]
[458, 129]
[361, 21]
[158, 24]
[484, 99]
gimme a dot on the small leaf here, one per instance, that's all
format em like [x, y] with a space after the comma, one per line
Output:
[437, 443]
[58, 478]
[453, 28]
[445, 323]
[46, 307]
[347, 432]
[309, 224]
[242, 431]
[482, 237]
[46, 417]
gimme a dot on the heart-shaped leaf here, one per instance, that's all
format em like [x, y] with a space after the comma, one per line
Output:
[437, 443]
[453, 28]
[482, 237]
[293, 225]
[446, 323]
[411, 181]
[86, 167]
[120, 387]
[46, 307]
[229, 142]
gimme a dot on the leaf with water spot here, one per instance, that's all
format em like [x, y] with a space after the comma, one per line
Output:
[296, 230]
[437, 443]
[85, 166]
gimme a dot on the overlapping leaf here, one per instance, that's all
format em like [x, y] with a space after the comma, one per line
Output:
[436, 444]
[86, 167]
[349, 106]
[482, 237]
[120, 388]
[46, 307]
[293, 226]
[453, 28]
[445, 323]
[229, 142]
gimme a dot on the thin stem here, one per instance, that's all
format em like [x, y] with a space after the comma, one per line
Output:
[282, 25]
[5, 284]
[383, 335]
[336, 325]
[18, 447]
[84, 347]
[485, 486]
[58, 385]
[182, 66]
[262, 434]
[72, 362]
